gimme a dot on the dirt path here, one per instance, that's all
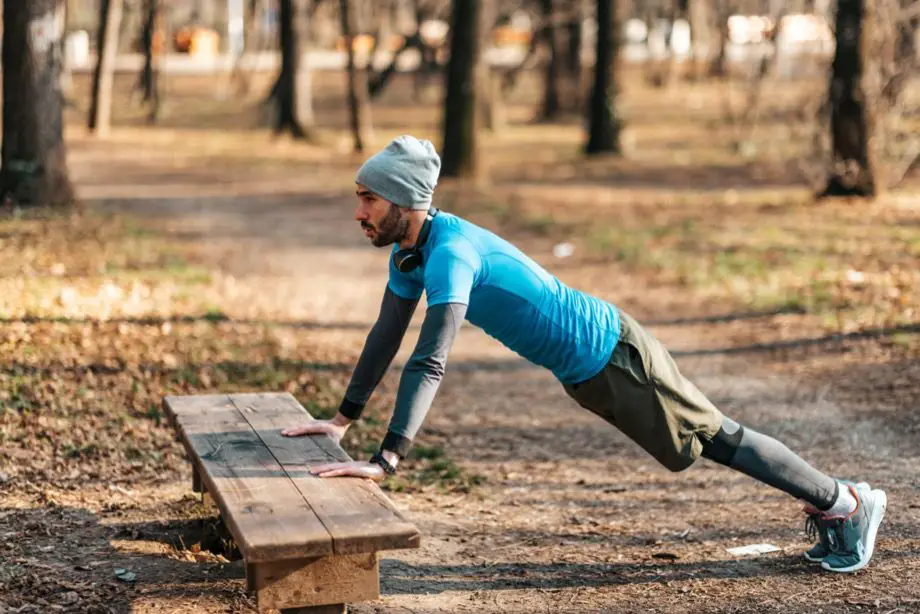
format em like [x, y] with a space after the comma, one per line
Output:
[572, 516]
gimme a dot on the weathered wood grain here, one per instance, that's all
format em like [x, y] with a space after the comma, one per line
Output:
[264, 510]
[357, 514]
[330, 580]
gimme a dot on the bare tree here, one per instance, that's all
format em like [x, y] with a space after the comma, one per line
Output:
[287, 95]
[100, 109]
[869, 142]
[551, 33]
[460, 123]
[34, 158]
[852, 121]
[604, 123]
[147, 80]
[358, 104]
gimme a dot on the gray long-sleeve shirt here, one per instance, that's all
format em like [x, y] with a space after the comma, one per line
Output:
[422, 374]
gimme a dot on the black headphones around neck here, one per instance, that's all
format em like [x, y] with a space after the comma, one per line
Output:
[409, 259]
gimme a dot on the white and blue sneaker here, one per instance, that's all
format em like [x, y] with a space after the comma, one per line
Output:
[851, 539]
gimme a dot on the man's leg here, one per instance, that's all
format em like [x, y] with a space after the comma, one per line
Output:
[769, 461]
[643, 393]
[844, 515]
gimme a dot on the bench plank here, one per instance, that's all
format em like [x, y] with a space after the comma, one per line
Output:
[358, 515]
[264, 510]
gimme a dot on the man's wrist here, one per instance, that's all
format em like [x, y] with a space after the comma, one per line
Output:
[390, 457]
[396, 444]
[350, 409]
[341, 420]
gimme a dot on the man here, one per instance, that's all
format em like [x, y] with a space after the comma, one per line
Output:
[606, 362]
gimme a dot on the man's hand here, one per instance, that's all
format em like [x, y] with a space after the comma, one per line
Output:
[360, 469]
[335, 428]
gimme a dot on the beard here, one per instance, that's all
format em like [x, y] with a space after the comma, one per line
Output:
[391, 229]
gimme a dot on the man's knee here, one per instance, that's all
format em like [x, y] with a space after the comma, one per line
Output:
[723, 447]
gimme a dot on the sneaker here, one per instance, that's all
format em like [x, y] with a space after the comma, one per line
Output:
[851, 540]
[816, 527]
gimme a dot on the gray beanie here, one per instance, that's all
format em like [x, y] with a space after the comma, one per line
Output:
[405, 172]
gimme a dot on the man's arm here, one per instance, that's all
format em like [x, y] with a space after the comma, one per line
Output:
[422, 376]
[420, 380]
[382, 343]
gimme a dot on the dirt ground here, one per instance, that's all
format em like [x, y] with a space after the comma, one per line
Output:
[565, 514]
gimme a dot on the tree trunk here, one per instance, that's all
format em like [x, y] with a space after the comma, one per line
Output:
[34, 158]
[604, 124]
[66, 69]
[359, 107]
[573, 96]
[461, 115]
[852, 124]
[147, 82]
[100, 110]
[718, 66]
[428, 63]
[573, 39]
[551, 107]
[701, 38]
[287, 119]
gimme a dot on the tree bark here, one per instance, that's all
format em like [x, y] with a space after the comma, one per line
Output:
[100, 110]
[147, 82]
[852, 124]
[551, 106]
[33, 171]
[359, 107]
[287, 119]
[461, 113]
[718, 66]
[604, 124]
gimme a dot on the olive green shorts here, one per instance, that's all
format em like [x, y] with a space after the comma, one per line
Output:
[642, 393]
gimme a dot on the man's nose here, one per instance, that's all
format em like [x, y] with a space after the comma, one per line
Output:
[360, 213]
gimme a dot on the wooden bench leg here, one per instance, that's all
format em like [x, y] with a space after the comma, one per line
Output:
[250, 578]
[317, 585]
[197, 486]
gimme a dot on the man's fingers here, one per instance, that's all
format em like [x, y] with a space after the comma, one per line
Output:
[339, 472]
[327, 467]
[304, 429]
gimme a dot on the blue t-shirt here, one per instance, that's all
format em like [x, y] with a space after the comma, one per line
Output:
[512, 299]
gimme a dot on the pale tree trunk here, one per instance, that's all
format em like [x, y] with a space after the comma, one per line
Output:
[33, 171]
[604, 124]
[358, 103]
[701, 36]
[100, 110]
[461, 115]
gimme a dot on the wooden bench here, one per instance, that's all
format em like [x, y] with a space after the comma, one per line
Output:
[310, 544]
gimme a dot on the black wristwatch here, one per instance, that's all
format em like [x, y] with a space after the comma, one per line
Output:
[387, 467]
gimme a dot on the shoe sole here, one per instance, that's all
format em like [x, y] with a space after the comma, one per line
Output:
[813, 559]
[878, 512]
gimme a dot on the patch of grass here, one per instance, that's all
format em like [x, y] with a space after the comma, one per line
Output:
[215, 315]
[440, 473]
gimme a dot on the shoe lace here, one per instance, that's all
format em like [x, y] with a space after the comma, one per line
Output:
[812, 526]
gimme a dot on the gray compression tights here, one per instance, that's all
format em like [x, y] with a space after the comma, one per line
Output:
[769, 461]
